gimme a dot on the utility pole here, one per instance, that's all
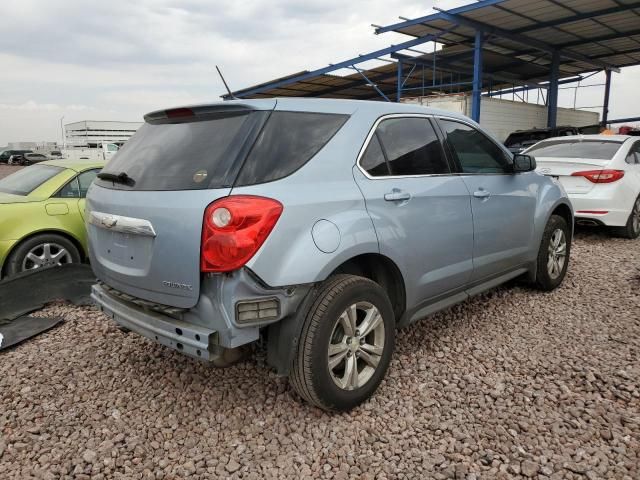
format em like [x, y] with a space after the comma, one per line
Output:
[64, 141]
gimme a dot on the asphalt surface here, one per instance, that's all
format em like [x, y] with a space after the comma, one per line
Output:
[8, 169]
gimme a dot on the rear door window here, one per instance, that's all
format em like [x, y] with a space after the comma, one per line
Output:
[373, 160]
[70, 190]
[634, 154]
[85, 179]
[287, 142]
[409, 145]
[476, 153]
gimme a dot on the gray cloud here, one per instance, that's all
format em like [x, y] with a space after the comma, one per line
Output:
[122, 58]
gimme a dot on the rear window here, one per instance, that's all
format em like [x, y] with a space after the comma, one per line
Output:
[25, 181]
[237, 148]
[592, 149]
[287, 142]
[188, 155]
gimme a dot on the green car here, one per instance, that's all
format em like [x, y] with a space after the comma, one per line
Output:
[41, 215]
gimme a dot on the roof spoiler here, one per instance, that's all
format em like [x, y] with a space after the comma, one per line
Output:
[197, 113]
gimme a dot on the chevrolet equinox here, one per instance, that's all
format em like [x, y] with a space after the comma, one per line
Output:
[317, 227]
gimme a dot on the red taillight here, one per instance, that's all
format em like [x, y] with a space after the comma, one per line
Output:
[233, 230]
[600, 176]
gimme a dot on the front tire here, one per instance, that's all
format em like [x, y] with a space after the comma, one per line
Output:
[346, 344]
[553, 256]
[632, 229]
[42, 251]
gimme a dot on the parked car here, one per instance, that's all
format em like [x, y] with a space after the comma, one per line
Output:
[595, 129]
[519, 140]
[16, 159]
[628, 130]
[31, 158]
[601, 174]
[41, 214]
[6, 154]
[318, 226]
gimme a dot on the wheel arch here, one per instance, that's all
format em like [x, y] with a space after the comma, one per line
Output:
[565, 211]
[72, 238]
[283, 336]
[382, 270]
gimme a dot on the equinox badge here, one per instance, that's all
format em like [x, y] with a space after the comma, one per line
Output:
[180, 286]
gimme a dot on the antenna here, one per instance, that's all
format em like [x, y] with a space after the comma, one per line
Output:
[225, 84]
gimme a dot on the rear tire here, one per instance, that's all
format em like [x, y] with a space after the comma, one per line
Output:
[632, 229]
[60, 251]
[337, 366]
[553, 256]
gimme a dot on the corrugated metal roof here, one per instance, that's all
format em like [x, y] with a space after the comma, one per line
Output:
[595, 32]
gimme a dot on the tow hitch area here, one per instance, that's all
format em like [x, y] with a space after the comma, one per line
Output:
[30, 291]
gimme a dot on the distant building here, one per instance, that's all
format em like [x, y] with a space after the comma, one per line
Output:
[31, 145]
[93, 133]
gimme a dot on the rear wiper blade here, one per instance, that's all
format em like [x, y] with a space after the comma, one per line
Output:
[121, 177]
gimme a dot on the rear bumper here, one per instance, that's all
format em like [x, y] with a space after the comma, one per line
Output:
[588, 206]
[187, 338]
[207, 330]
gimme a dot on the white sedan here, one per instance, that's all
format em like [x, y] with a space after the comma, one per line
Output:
[601, 174]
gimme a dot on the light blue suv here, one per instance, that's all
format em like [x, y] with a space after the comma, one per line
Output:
[315, 228]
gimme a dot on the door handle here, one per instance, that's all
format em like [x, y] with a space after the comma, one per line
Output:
[397, 196]
[482, 193]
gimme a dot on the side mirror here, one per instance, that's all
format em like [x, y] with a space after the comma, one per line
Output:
[523, 163]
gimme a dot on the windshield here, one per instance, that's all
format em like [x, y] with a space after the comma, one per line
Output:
[25, 181]
[592, 149]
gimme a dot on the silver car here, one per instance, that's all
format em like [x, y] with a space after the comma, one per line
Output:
[316, 228]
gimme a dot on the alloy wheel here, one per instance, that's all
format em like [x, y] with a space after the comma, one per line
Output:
[356, 346]
[557, 253]
[46, 255]
[635, 216]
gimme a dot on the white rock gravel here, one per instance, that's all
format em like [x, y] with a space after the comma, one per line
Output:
[513, 384]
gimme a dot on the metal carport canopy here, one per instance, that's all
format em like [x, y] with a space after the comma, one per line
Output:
[495, 43]
[588, 34]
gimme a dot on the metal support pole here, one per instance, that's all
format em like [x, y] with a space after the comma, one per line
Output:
[434, 64]
[369, 82]
[605, 107]
[552, 94]
[477, 77]
[399, 87]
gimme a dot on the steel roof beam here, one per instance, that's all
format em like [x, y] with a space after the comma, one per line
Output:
[577, 17]
[345, 64]
[611, 36]
[523, 89]
[435, 16]
[530, 41]
[624, 120]
[444, 65]
[621, 52]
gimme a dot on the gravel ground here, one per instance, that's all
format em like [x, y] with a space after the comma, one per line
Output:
[512, 384]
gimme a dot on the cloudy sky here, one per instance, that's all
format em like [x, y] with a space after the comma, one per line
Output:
[118, 59]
